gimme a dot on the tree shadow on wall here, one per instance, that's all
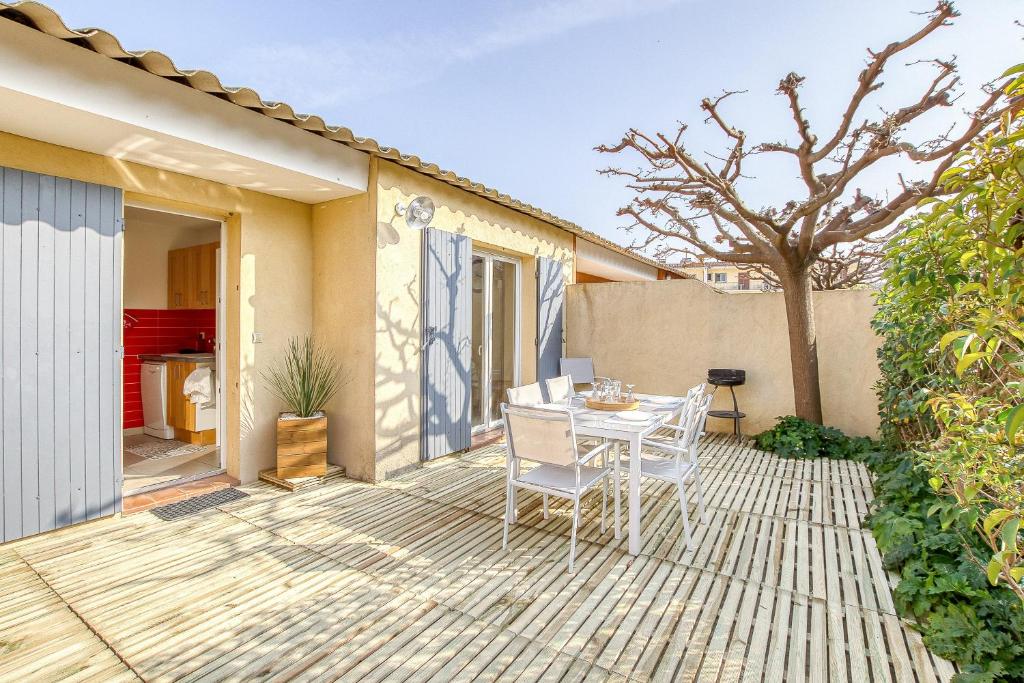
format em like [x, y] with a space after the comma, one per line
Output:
[550, 317]
[447, 352]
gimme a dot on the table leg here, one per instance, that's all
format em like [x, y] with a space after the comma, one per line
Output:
[618, 492]
[634, 495]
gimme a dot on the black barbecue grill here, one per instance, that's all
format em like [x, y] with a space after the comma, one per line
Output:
[725, 377]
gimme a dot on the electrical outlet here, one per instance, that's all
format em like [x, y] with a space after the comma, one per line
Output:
[257, 337]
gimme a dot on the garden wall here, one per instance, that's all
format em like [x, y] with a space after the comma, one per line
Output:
[664, 335]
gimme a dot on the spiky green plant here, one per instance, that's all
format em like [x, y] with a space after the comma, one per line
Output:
[306, 378]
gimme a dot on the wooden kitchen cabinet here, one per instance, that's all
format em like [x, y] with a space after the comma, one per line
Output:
[192, 277]
[181, 412]
[206, 275]
[178, 404]
[177, 278]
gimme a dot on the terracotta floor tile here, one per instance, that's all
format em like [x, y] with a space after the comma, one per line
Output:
[172, 494]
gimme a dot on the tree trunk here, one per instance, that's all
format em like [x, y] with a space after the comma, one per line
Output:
[803, 344]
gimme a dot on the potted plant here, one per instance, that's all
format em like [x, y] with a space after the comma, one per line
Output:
[305, 380]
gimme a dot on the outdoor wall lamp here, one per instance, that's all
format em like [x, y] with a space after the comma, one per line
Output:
[418, 214]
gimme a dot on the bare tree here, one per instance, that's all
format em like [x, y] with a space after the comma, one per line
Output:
[841, 266]
[681, 198]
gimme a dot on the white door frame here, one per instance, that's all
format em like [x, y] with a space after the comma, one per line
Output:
[492, 420]
[220, 328]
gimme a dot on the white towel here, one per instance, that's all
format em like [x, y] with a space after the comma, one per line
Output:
[199, 385]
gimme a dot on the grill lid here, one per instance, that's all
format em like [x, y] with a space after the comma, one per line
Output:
[726, 376]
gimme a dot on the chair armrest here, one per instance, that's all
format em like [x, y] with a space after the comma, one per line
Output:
[590, 455]
[667, 447]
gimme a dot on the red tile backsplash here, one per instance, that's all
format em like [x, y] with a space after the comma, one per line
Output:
[157, 331]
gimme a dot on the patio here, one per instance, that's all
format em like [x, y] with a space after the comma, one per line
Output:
[407, 581]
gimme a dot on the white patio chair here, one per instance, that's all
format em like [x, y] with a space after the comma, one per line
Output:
[579, 370]
[681, 446]
[526, 395]
[548, 438]
[560, 389]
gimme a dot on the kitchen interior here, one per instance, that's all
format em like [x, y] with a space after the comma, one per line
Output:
[170, 399]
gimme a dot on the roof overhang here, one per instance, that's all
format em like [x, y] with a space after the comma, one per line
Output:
[54, 91]
[595, 259]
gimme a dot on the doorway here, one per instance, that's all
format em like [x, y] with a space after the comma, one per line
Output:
[494, 367]
[172, 324]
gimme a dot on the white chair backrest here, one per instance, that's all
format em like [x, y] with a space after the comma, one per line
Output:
[540, 434]
[693, 397]
[559, 389]
[526, 395]
[700, 419]
[696, 428]
[579, 370]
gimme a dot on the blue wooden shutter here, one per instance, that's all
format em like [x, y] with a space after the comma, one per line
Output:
[550, 303]
[60, 257]
[447, 310]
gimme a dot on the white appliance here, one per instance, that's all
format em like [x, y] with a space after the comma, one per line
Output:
[154, 400]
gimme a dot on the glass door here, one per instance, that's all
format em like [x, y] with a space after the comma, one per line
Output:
[495, 336]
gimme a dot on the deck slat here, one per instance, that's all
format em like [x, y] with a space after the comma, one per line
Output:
[407, 581]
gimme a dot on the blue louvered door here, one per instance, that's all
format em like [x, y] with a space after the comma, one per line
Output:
[447, 315]
[550, 304]
[60, 257]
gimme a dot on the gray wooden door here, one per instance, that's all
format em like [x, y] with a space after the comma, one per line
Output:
[550, 303]
[447, 309]
[61, 352]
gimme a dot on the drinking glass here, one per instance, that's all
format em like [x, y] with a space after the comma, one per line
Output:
[629, 393]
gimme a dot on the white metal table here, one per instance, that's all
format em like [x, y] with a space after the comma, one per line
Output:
[606, 425]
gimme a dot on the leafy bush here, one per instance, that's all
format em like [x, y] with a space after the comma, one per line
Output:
[942, 584]
[951, 312]
[794, 437]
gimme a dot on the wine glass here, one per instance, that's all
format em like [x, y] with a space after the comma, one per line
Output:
[629, 393]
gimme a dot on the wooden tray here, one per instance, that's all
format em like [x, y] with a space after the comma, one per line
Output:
[612, 405]
[301, 483]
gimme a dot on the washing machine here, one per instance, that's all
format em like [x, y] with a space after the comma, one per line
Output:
[154, 400]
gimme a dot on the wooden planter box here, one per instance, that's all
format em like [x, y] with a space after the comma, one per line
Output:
[301, 446]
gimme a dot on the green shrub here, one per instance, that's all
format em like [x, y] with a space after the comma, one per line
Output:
[943, 586]
[951, 314]
[793, 437]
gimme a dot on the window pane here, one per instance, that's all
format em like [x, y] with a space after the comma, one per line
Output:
[476, 363]
[503, 343]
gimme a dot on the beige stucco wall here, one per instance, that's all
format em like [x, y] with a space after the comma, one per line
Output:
[663, 336]
[344, 243]
[269, 288]
[398, 263]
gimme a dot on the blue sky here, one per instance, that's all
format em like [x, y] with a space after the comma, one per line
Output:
[515, 94]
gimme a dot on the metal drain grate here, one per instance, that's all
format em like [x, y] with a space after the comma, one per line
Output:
[191, 506]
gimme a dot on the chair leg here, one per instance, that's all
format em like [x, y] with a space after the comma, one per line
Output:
[685, 513]
[700, 496]
[545, 505]
[572, 542]
[514, 494]
[508, 514]
[604, 502]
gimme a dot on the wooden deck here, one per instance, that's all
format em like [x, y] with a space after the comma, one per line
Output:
[407, 581]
